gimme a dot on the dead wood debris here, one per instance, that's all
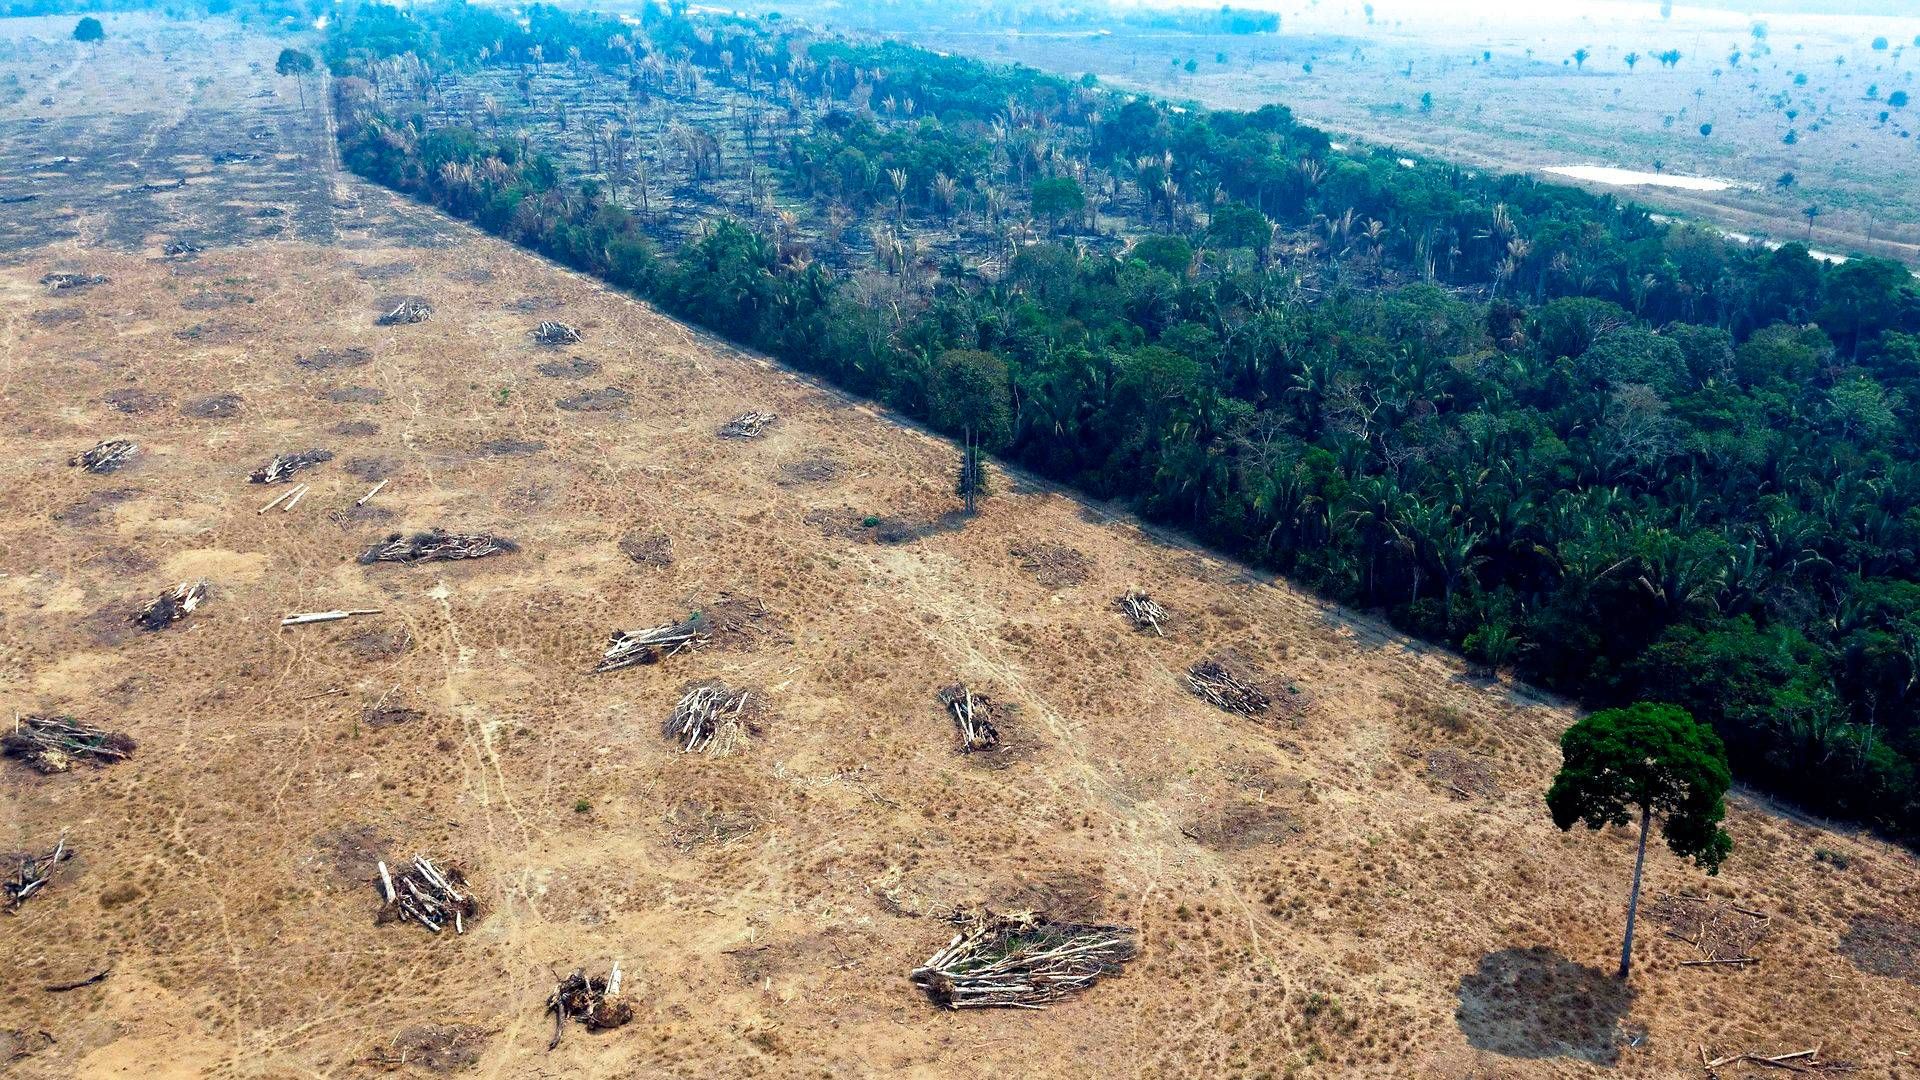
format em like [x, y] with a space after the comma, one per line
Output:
[427, 894]
[1800, 1061]
[713, 719]
[589, 1000]
[625, 648]
[1053, 565]
[406, 313]
[741, 622]
[1725, 933]
[748, 425]
[436, 546]
[554, 333]
[1140, 610]
[33, 872]
[648, 549]
[281, 469]
[181, 249]
[1466, 775]
[975, 715]
[75, 984]
[107, 457]
[52, 744]
[818, 468]
[171, 606]
[438, 1048]
[1021, 961]
[59, 281]
[1211, 680]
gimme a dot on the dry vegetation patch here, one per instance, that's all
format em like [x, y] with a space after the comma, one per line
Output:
[1884, 946]
[1056, 566]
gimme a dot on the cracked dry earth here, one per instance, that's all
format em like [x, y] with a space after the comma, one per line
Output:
[1311, 898]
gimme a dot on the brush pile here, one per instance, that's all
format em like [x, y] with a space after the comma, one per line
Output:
[59, 281]
[588, 1000]
[171, 606]
[1056, 566]
[1142, 612]
[52, 744]
[281, 469]
[436, 546]
[1468, 776]
[712, 719]
[1021, 961]
[555, 334]
[748, 425]
[1723, 932]
[32, 872]
[426, 894]
[406, 313]
[107, 457]
[629, 647]
[974, 716]
[1211, 680]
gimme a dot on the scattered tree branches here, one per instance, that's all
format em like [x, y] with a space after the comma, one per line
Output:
[33, 872]
[406, 313]
[171, 606]
[281, 469]
[52, 744]
[713, 719]
[107, 457]
[974, 716]
[748, 425]
[555, 334]
[1021, 961]
[435, 545]
[1140, 610]
[588, 1000]
[59, 281]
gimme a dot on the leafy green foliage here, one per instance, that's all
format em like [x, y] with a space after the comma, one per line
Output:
[1646, 757]
[89, 30]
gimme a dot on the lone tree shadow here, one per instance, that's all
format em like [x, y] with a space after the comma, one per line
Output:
[1535, 1003]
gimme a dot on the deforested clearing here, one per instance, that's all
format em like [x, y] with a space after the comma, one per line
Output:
[1311, 898]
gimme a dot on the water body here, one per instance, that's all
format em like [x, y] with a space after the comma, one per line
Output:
[1607, 174]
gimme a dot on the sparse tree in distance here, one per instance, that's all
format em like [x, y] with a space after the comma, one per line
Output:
[1656, 759]
[1580, 58]
[1632, 59]
[297, 64]
[1810, 213]
[89, 30]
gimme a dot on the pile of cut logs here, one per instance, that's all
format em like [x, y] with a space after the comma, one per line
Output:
[171, 606]
[644, 646]
[973, 716]
[748, 424]
[1140, 610]
[106, 457]
[555, 333]
[1212, 681]
[436, 546]
[281, 469]
[588, 1000]
[1021, 961]
[406, 312]
[426, 894]
[33, 872]
[710, 718]
[52, 744]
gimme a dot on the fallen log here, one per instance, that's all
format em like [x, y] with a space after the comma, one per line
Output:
[33, 872]
[426, 894]
[555, 334]
[1140, 610]
[625, 648]
[974, 716]
[325, 616]
[281, 469]
[748, 425]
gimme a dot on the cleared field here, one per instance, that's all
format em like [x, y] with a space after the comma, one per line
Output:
[1362, 883]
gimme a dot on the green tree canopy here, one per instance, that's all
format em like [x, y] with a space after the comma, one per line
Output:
[293, 62]
[89, 29]
[1057, 196]
[970, 391]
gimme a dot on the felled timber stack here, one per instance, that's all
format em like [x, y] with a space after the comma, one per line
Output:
[436, 546]
[555, 334]
[107, 457]
[711, 718]
[426, 894]
[1140, 610]
[281, 469]
[629, 647]
[748, 425]
[973, 715]
[60, 281]
[33, 872]
[1212, 681]
[406, 313]
[52, 744]
[1021, 961]
[589, 1000]
[171, 606]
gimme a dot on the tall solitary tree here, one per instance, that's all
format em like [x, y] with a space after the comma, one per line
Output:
[970, 393]
[297, 64]
[89, 30]
[1654, 759]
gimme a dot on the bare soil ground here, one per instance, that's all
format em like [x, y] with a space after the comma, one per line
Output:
[1314, 896]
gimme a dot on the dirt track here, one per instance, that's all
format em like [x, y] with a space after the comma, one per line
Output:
[1311, 901]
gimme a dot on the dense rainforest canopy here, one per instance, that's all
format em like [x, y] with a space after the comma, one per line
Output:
[1628, 459]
